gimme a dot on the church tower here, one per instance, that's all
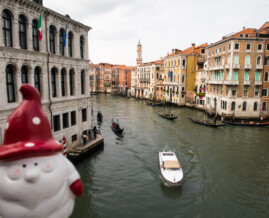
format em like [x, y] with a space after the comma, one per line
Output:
[139, 54]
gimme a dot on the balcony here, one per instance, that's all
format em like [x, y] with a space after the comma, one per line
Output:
[236, 66]
[259, 67]
[227, 66]
[221, 67]
[217, 82]
[258, 83]
[246, 82]
[247, 66]
[216, 68]
[231, 82]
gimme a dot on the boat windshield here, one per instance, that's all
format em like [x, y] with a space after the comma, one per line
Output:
[168, 154]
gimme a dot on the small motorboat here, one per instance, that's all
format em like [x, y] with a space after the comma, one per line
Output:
[205, 123]
[167, 116]
[99, 116]
[116, 127]
[171, 170]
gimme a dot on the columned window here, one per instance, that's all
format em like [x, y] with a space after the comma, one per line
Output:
[52, 39]
[82, 80]
[63, 81]
[22, 32]
[10, 84]
[70, 44]
[35, 35]
[71, 81]
[81, 47]
[7, 28]
[24, 74]
[61, 42]
[37, 79]
[53, 82]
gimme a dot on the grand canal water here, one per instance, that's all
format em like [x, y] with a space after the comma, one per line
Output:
[226, 169]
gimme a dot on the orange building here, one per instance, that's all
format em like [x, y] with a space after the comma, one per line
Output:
[125, 80]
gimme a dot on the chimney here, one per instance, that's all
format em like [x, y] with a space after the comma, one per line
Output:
[167, 53]
[244, 28]
[193, 47]
[173, 51]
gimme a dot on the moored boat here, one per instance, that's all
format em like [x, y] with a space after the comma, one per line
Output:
[246, 123]
[206, 123]
[99, 116]
[170, 167]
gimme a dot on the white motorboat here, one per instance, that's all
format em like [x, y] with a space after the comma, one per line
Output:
[170, 168]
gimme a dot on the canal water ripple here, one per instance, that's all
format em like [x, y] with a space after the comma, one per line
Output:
[226, 169]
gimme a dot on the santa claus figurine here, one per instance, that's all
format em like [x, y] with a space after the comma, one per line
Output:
[36, 180]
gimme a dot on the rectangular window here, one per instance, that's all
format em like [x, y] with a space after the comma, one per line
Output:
[246, 35]
[248, 46]
[234, 92]
[256, 91]
[264, 92]
[236, 46]
[264, 106]
[56, 123]
[235, 76]
[65, 121]
[228, 75]
[229, 47]
[257, 78]
[259, 47]
[183, 63]
[84, 115]
[74, 138]
[245, 91]
[267, 47]
[223, 48]
[241, 35]
[246, 76]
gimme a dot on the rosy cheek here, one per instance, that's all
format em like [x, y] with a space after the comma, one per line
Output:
[14, 172]
[48, 166]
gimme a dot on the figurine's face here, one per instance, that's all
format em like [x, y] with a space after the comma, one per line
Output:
[33, 177]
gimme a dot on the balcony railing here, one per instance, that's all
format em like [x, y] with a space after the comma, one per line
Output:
[231, 82]
[246, 82]
[258, 83]
[236, 66]
[259, 66]
[247, 66]
[218, 82]
[227, 66]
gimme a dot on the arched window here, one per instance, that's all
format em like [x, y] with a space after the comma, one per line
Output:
[258, 60]
[10, 84]
[7, 28]
[82, 80]
[24, 74]
[247, 59]
[70, 44]
[255, 107]
[63, 81]
[61, 42]
[244, 106]
[52, 39]
[81, 47]
[233, 106]
[37, 79]
[266, 76]
[236, 59]
[35, 35]
[53, 82]
[22, 32]
[71, 81]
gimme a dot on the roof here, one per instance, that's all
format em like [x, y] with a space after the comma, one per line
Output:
[250, 31]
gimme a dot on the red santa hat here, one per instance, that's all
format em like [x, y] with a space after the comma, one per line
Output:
[28, 132]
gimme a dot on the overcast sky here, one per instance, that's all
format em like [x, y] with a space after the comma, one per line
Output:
[161, 25]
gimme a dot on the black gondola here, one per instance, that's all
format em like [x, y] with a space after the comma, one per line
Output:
[99, 116]
[116, 128]
[206, 123]
[251, 123]
[167, 116]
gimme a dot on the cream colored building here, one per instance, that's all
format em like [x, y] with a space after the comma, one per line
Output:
[59, 73]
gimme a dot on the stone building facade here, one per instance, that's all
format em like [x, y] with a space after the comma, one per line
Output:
[59, 72]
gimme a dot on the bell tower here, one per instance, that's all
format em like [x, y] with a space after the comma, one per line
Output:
[139, 54]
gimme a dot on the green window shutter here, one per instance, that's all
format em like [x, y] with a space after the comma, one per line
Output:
[246, 76]
[235, 76]
[257, 76]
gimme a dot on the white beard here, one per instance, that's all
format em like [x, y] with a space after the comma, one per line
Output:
[49, 196]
